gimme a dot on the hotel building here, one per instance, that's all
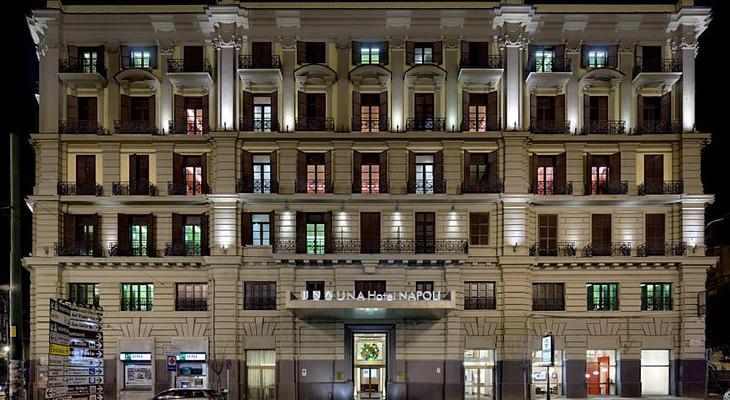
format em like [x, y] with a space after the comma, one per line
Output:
[392, 200]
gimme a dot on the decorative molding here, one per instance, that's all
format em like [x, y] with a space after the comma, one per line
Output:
[512, 40]
[398, 19]
[479, 326]
[452, 19]
[343, 43]
[135, 329]
[39, 31]
[258, 327]
[573, 45]
[626, 47]
[542, 325]
[288, 42]
[575, 22]
[192, 327]
[162, 23]
[451, 42]
[166, 48]
[397, 43]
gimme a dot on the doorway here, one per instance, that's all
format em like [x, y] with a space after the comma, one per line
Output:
[369, 356]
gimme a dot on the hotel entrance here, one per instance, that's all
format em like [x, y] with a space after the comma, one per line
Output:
[369, 365]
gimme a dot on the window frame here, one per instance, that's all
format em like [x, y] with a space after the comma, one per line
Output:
[368, 55]
[254, 297]
[661, 302]
[474, 301]
[481, 236]
[260, 237]
[420, 50]
[605, 302]
[81, 292]
[127, 299]
[542, 299]
[199, 303]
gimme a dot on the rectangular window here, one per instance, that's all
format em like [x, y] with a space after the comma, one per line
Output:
[192, 236]
[478, 168]
[260, 226]
[86, 239]
[423, 111]
[478, 374]
[137, 296]
[140, 58]
[262, 114]
[259, 296]
[139, 109]
[547, 234]
[425, 232]
[262, 173]
[366, 287]
[261, 374]
[654, 372]
[424, 286]
[599, 174]
[315, 290]
[370, 53]
[479, 228]
[88, 62]
[479, 296]
[193, 180]
[84, 293]
[656, 296]
[545, 110]
[423, 53]
[315, 238]
[315, 53]
[548, 297]
[138, 235]
[424, 174]
[597, 57]
[544, 60]
[194, 121]
[192, 297]
[477, 118]
[602, 296]
[545, 175]
[315, 178]
[601, 234]
[370, 178]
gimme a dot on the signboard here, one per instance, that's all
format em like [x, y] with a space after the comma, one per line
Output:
[171, 364]
[191, 357]
[229, 363]
[75, 352]
[548, 350]
[135, 356]
[344, 295]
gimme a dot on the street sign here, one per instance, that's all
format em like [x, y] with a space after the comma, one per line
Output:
[229, 363]
[171, 364]
[548, 351]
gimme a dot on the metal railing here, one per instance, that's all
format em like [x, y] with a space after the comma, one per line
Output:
[548, 304]
[79, 189]
[115, 250]
[557, 64]
[427, 186]
[191, 304]
[136, 305]
[177, 65]
[561, 249]
[492, 62]
[393, 246]
[480, 125]
[621, 187]
[135, 127]
[78, 249]
[258, 186]
[258, 125]
[312, 186]
[369, 188]
[81, 126]
[550, 127]
[248, 61]
[479, 303]
[80, 65]
[617, 249]
[315, 124]
[370, 124]
[657, 65]
[666, 187]
[185, 189]
[425, 124]
[611, 127]
[551, 188]
[134, 188]
[185, 249]
[654, 126]
[662, 249]
[188, 128]
[659, 304]
[481, 187]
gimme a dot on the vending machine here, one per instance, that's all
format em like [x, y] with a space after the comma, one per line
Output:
[192, 370]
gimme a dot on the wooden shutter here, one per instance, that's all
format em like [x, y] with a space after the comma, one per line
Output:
[178, 171]
[125, 108]
[139, 168]
[204, 232]
[246, 234]
[274, 173]
[383, 112]
[666, 108]
[206, 119]
[492, 115]
[437, 51]
[274, 111]
[151, 113]
[492, 168]
[247, 171]
[356, 172]
[384, 53]
[584, 56]
[383, 158]
[301, 228]
[438, 172]
[411, 169]
[123, 233]
[533, 111]
[328, 169]
[153, 57]
[587, 175]
[653, 169]
[465, 52]
[614, 168]
[602, 108]
[464, 111]
[560, 54]
[247, 116]
[133, 167]
[95, 221]
[302, 108]
[301, 52]
[329, 232]
[301, 171]
[601, 229]
[531, 57]
[370, 232]
[356, 125]
[193, 58]
[151, 235]
[640, 111]
[177, 228]
[467, 163]
[534, 164]
[655, 231]
[204, 172]
[560, 108]
[561, 172]
[586, 111]
[69, 231]
[85, 170]
[355, 53]
[73, 52]
[124, 56]
[93, 115]
[272, 228]
[320, 105]
[72, 108]
[613, 56]
[410, 53]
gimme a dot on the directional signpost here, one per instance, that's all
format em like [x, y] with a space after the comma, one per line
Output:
[75, 352]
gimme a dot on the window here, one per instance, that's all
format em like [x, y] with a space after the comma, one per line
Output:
[602, 296]
[478, 374]
[194, 121]
[140, 108]
[365, 287]
[262, 113]
[654, 372]
[192, 297]
[88, 61]
[548, 297]
[137, 296]
[370, 112]
[260, 225]
[84, 293]
[477, 167]
[193, 180]
[370, 178]
[545, 175]
[315, 238]
[138, 235]
[424, 113]
[656, 296]
[477, 118]
[261, 374]
[479, 228]
[86, 237]
[545, 109]
[424, 174]
[423, 53]
[547, 233]
[652, 108]
[601, 235]
[315, 53]
[315, 178]
[544, 60]
[259, 296]
[425, 232]
[479, 296]
[540, 375]
[424, 286]
[601, 372]
[370, 53]
[597, 57]
[141, 58]
[315, 290]
[262, 173]
[599, 174]
[192, 235]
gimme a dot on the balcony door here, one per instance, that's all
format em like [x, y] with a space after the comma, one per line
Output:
[653, 173]
[654, 234]
[85, 174]
[139, 174]
[425, 232]
[423, 111]
[193, 58]
[601, 234]
[370, 232]
[261, 54]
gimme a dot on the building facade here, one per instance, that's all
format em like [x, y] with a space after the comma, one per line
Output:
[341, 200]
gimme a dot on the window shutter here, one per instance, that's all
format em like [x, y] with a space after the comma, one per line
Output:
[247, 116]
[640, 111]
[492, 115]
[301, 52]
[153, 57]
[123, 233]
[437, 49]
[411, 170]
[204, 172]
[560, 108]
[274, 173]
[655, 232]
[246, 228]
[320, 105]
[133, 168]
[587, 175]
[93, 114]
[246, 171]
[383, 111]
[73, 52]
[206, 120]
[72, 108]
[328, 169]
[666, 108]
[531, 57]
[124, 56]
[329, 232]
[534, 164]
[438, 172]
[410, 53]
[614, 168]
[560, 54]
[143, 165]
[125, 109]
[178, 171]
[272, 228]
[177, 228]
[586, 112]
[355, 53]
[385, 53]
[653, 169]
[85, 170]
[492, 168]
[151, 235]
[467, 163]
[601, 229]
[274, 111]
[560, 171]
[384, 187]
[356, 125]
[69, 231]
[302, 108]
[151, 116]
[464, 53]
[464, 111]
[301, 238]
[613, 56]
[584, 56]
[204, 232]
[100, 50]
[356, 172]
[97, 235]
[603, 108]
[301, 186]
[533, 111]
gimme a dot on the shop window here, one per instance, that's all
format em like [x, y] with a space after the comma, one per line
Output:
[654, 372]
[261, 374]
[540, 375]
[478, 374]
[601, 372]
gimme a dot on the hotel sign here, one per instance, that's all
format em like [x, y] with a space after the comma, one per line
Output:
[344, 295]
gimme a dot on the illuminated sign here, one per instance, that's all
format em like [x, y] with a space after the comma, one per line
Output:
[135, 356]
[191, 357]
[343, 295]
[548, 350]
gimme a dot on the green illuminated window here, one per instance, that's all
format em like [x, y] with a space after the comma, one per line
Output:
[139, 240]
[597, 57]
[88, 59]
[656, 296]
[192, 237]
[544, 60]
[141, 58]
[84, 293]
[315, 238]
[370, 54]
[137, 296]
[602, 296]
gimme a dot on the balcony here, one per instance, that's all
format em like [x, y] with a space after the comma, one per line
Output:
[82, 73]
[425, 124]
[657, 72]
[188, 129]
[135, 127]
[481, 125]
[259, 72]
[313, 186]
[259, 125]
[176, 249]
[315, 124]
[191, 304]
[115, 250]
[481, 187]
[370, 125]
[551, 73]
[621, 187]
[190, 74]
[561, 249]
[79, 189]
[617, 249]
[552, 188]
[263, 186]
[388, 246]
[134, 188]
[658, 127]
[666, 187]
[247, 61]
[371, 188]
[427, 187]
[78, 249]
[611, 127]
[555, 304]
[677, 249]
[187, 189]
[81, 127]
[550, 127]
[479, 73]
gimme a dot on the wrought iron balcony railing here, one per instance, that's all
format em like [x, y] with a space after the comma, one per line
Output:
[427, 186]
[551, 304]
[185, 249]
[611, 127]
[481, 187]
[666, 187]
[315, 124]
[371, 187]
[658, 304]
[662, 249]
[129, 250]
[657, 65]
[134, 188]
[177, 65]
[551, 188]
[79, 189]
[187, 189]
[81, 126]
[658, 127]
[148, 127]
[425, 124]
[550, 127]
[617, 249]
[313, 186]
[557, 64]
[258, 125]
[248, 61]
[191, 304]
[369, 124]
[480, 125]
[490, 62]
[258, 186]
[392, 246]
[136, 305]
[560, 249]
[621, 187]
[189, 129]
[78, 249]
[479, 303]
[80, 65]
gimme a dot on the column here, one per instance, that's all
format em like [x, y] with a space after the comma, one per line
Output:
[398, 166]
[163, 154]
[626, 64]
[225, 86]
[397, 60]
[287, 166]
[513, 86]
[451, 61]
[225, 163]
[44, 27]
[688, 51]
[628, 165]
[344, 99]
[453, 166]
[165, 111]
[289, 95]
[515, 222]
[516, 302]
[691, 164]
[571, 93]
[223, 225]
[112, 164]
[111, 92]
[574, 167]
[515, 174]
[342, 166]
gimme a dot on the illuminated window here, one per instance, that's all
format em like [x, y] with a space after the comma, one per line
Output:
[479, 296]
[194, 121]
[369, 54]
[597, 57]
[141, 58]
[193, 180]
[424, 174]
[262, 114]
[138, 239]
[654, 372]
[423, 54]
[478, 374]
[262, 173]
[84, 293]
[137, 296]
[87, 240]
[192, 236]
[315, 238]
[545, 180]
[478, 118]
[261, 374]
[370, 118]
[544, 60]
[88, 62]
[191, 297]
[601, 372]
[602, 296]
[370, 177]
[260, 229]
[315, 178]
[656, 296]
